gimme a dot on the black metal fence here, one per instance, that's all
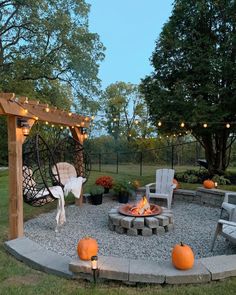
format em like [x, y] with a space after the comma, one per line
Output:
[179, 157]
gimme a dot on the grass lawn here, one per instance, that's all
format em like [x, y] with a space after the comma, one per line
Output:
[17, 278]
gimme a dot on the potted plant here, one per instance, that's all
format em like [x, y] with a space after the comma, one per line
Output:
[123, 189]
[96, 192]
[106, 182]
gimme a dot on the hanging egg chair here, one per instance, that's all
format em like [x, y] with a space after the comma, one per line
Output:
[71, 159]
[40, 185]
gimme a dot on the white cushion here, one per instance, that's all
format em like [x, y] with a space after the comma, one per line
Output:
[66, 171]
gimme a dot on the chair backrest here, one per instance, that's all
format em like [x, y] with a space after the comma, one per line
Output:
[164, 180]
[66, 171]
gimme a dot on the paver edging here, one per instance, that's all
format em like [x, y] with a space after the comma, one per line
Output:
[121, 269]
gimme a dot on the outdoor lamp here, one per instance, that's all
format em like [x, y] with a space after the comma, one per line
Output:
[216, 184]
[24, 125]
[94, 267]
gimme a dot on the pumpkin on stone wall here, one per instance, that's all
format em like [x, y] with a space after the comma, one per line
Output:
[87, 247]
[208, 184]
[182, 256]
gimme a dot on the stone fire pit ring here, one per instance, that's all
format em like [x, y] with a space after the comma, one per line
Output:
[144, 226]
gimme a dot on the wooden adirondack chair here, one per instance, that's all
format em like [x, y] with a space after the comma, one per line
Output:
[227, 228]
[163, 187]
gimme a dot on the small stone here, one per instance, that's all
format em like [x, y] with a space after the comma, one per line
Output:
[170, 216]
[169, 227]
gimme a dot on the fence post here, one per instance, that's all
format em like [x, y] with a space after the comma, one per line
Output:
[100, 162]
[117, 163]
[141, 163]
[172, 156]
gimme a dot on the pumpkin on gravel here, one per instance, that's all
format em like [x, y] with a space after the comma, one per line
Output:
[182, 256]
[87, 247]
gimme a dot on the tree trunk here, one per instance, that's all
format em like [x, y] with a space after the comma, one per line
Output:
[216, 151]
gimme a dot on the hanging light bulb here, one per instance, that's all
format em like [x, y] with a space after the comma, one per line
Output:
[159, 123]
[69, 114]
[136, 122]
[205, 125]
[182, 124]
[227, 125]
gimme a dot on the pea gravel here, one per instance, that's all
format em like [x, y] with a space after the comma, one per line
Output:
[194, 225]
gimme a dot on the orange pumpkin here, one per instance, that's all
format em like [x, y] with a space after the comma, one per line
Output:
[208, 184]
[176, 182]
[87, 247]
[182, 256]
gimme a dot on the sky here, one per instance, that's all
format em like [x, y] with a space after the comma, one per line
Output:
[128, 29]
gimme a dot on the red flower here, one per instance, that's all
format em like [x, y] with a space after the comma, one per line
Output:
[105, 181]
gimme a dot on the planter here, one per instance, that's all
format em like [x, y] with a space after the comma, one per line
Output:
[106, 190]
[96, 199]
[123, 197]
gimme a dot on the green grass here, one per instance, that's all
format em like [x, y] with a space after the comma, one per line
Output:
[17, 278]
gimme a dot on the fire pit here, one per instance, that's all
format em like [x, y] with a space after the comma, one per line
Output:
[141, 218]
[141, 209]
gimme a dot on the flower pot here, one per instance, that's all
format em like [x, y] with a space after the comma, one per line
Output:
[106, 190]
[96, 199]
[123, 197]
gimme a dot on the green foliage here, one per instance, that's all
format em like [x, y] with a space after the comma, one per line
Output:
[194, 66]
[192, 176]
[96, 190]
[47, 51]
[123, 185]
[126, 112]
[220, 179]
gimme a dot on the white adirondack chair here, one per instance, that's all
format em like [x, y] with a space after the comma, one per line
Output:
[227, 228]
[163, 187]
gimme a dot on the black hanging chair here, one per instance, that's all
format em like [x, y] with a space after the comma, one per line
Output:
[72, 160]
[39, 183]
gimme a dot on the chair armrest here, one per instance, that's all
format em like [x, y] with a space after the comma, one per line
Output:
[148, 186]
[222, 221]
[226, 198]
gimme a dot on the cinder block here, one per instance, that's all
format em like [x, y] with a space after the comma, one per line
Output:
[163, 220]
[151, 222]
[146, 231]
[127, 222]
[119, 229]
[138, 222]
[132, 232]
[159, 230]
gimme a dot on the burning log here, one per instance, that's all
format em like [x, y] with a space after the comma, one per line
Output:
[142, 207]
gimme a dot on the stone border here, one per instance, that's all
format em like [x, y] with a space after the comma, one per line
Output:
[144, 226]
[120, 269]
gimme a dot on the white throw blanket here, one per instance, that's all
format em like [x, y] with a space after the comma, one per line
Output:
[58, 193]
[74, 185]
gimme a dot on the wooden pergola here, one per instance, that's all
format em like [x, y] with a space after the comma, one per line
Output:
[16, 108]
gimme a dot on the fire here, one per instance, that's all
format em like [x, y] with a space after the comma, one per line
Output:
[141, 208]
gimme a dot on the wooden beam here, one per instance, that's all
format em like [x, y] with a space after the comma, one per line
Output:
[22, 107]
[78, 136]
[15, 139]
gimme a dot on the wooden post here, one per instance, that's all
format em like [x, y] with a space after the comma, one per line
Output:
[78, 136]
[15, 140]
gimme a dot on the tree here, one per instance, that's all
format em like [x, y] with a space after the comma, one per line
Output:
[194, 76]
[47, 45]
[126, 111]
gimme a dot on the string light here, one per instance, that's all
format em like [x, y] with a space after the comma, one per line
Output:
[25, 111]
[182, 124]
[159, 123]
[136, 122]
[36, 118]
[227, 125]
[46, 122]
[47, 110]
[205, 125]
[69, 114]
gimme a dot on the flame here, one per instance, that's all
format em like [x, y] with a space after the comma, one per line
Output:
[142, 207]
